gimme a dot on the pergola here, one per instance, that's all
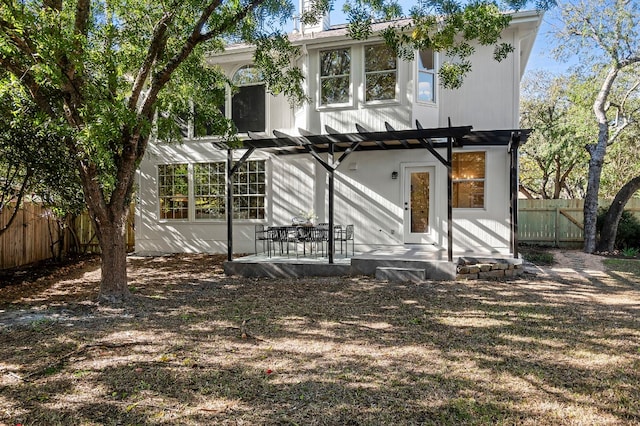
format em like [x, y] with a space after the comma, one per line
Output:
[334, 142]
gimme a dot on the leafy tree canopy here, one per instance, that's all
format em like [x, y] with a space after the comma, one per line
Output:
[34, 163]
[553, 159]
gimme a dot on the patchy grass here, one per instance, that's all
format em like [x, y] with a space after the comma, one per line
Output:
[537, 255]
[629, 268]
[196, 347]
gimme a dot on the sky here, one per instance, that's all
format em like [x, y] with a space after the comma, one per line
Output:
[542, 56]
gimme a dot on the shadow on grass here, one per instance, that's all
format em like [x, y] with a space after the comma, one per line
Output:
[200, 348]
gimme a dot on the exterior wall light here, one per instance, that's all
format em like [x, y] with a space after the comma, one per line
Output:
[394, 175]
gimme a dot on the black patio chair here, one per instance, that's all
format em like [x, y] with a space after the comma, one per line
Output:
[265, 235]
[344, 235]
[319, 238]
[284, 236]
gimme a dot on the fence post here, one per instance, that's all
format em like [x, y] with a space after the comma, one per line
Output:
[557, 226]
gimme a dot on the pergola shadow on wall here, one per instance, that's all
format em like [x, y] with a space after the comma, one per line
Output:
[334, 142]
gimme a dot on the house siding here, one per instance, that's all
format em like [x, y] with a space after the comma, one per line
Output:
[365, 193]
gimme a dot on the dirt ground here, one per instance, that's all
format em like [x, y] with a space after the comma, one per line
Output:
[560, 345]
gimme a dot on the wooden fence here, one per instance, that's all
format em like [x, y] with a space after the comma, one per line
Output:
[557, 222]
[36, 235]
[29, 238]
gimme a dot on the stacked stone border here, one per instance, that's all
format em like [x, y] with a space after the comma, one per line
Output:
[473, 268]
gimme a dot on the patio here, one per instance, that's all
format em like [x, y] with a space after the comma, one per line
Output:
[392, 263]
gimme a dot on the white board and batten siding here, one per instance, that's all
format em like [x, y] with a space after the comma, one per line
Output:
[365, 193]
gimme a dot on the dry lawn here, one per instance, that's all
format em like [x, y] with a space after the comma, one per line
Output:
[196, 347]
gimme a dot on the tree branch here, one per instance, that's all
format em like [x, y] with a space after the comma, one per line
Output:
[196, 37]
[83, 10]
[158, 42]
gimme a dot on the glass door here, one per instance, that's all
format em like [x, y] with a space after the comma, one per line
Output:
[418, 204]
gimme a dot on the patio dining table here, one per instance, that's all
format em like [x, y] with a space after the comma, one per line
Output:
[301, 233]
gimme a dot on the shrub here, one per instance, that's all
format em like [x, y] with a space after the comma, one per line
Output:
[628, 229]
[537, 255]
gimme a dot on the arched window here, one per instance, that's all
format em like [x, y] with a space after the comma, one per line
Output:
[248, 102]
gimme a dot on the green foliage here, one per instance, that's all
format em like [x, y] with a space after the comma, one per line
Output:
[106, 77]
[33, 158]
[628, 234]
[553, 163]
[606, 36]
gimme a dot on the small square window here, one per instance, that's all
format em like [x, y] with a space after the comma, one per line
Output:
[468, 170]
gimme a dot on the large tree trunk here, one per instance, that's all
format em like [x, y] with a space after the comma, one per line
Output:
[110, 222]
[612, 218]
[590, 211]
[113, 244]
[597, 153]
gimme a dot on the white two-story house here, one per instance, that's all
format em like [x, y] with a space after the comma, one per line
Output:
[393, 197]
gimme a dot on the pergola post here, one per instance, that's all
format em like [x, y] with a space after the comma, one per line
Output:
[231, 170]
[449, 199]
[331, 203]
[229, 204]
[346, 143]
[513, 180]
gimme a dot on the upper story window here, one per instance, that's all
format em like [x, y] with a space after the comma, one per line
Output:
[468, 173]
[248, 103]
[380, 70]
[335, 76]
[426, 76]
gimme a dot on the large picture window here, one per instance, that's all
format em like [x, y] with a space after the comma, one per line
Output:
[380, 65]
[426, 76]
[335, 76]
[173, 191]
[468, 170]
[206, 200]
[248, 103]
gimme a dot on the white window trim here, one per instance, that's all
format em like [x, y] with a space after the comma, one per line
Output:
[189, 194]
[343, 105]
[484, 180]
[191, 209]
[436, 91]
[377, 102]
[229, 101]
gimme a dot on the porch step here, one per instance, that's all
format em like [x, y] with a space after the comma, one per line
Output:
[438, 270]
[394, 274]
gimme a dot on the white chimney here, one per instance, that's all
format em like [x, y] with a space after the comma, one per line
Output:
[323, 23]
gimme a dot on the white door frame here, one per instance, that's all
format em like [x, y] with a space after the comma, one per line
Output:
[428, 237]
